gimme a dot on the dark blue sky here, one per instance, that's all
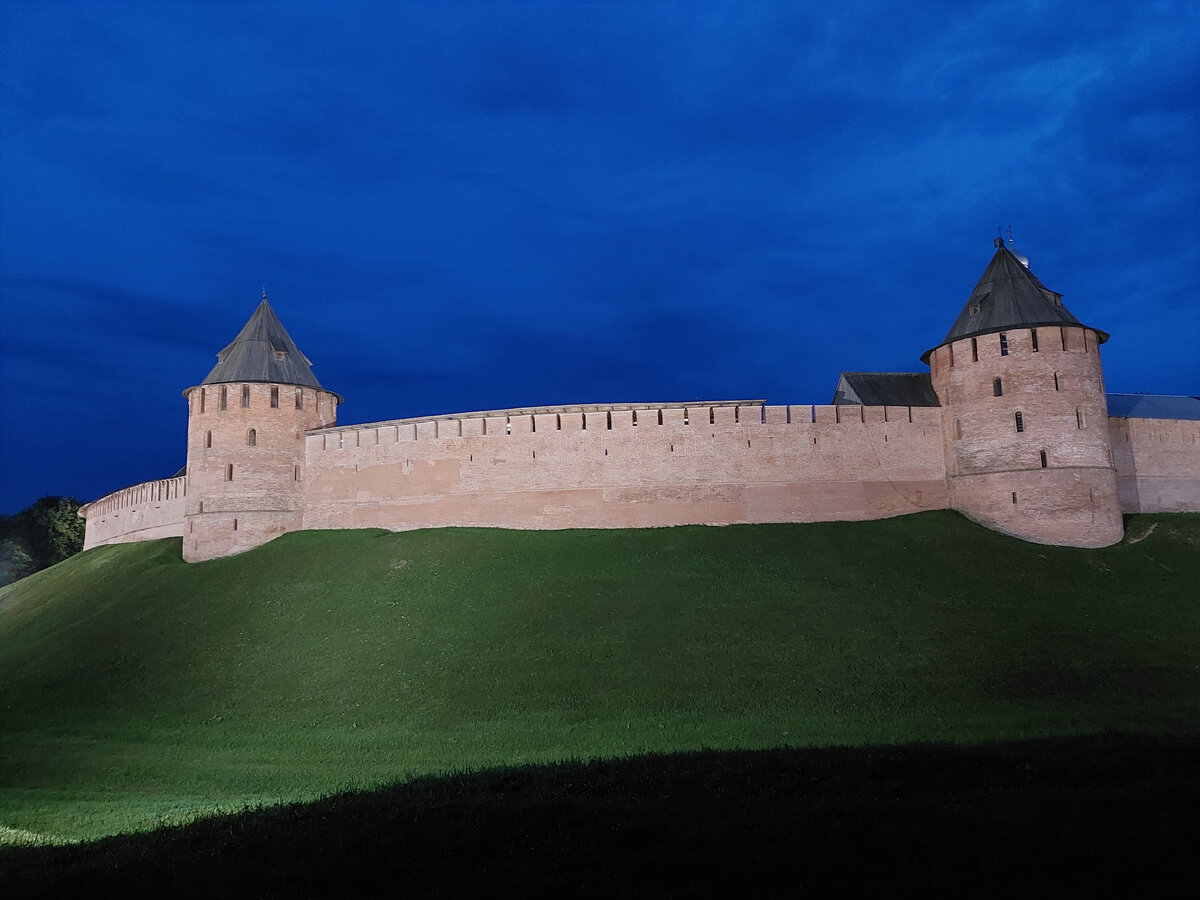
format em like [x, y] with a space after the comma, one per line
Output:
[462, 206]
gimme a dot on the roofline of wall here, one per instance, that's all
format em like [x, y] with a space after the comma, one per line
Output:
[542, 411]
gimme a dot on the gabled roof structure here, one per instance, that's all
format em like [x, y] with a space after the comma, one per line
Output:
[263, 351]
[885, 389]
[1008, 296]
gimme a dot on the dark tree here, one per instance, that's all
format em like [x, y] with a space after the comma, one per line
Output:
[41, 535]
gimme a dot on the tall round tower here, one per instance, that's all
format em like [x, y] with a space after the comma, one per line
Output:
[246, 448]
[1025, 416]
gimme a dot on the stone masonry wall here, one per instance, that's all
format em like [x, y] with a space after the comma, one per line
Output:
[1027, 443]
[143, 512]
[1158, 464]
[625, 467]
[246, 463]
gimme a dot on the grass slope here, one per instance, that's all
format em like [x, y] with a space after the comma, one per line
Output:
[1092, 816]
[137, 691]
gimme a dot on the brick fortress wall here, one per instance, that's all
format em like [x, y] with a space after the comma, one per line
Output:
[246, 463]
[1158, 464]
[143, 512]
[593, 467]
[1027, 444]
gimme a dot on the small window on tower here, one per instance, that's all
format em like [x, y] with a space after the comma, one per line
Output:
[299, 399]
[251, 438]
[207, 440]
[201, 399]
[973, 309]
[245, 395]
[224, 397]
[974, 350]
[997, 388]
[229, 471]
[1020, 423]
[1033, 335]
[274, 397]
[1003, 344]
[1043, 456]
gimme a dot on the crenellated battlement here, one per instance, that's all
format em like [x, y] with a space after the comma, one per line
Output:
[140, 512]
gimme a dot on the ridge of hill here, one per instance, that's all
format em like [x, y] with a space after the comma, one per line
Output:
[138, 691]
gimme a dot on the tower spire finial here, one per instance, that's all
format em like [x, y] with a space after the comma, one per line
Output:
[264, 293]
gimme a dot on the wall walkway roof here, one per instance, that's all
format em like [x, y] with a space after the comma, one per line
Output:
[1153, 406]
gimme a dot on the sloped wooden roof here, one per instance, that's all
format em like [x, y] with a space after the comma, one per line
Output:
[263, 351]
[1008, 296]
[885, 389]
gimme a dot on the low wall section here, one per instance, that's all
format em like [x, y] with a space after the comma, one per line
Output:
[1158, 464]
[143, 512]
[621, 467]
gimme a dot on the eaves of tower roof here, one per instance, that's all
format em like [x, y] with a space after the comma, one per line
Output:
[263, 351]
[1008, 295]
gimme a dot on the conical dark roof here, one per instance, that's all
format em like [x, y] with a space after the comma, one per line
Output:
[1008, 296]
[263, 351]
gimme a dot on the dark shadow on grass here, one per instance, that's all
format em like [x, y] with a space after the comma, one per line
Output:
[1080, 816]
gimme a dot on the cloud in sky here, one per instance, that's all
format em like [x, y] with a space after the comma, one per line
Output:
[458, 206]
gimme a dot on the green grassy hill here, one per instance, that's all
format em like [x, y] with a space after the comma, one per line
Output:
[136, 690]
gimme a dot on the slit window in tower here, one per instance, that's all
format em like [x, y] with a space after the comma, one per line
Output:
[558, 421]
[1043, 457]
[635, 418]
[951, 349]
[957, 429]
[1004, 343]
[245, 396]
[607, 425]
[997, 387]
[1056, 387]
[712, 416]
[1033, 336]
[274, 397]
[201, 399]
[660, 417]
[1014, 493]
[223, 398]
[208, 440]
[229, 471]
[235, 524]
[1079, 420]
[299, 399]
[533, 423]
[1020, 423]
[974, 350]
[251, 438]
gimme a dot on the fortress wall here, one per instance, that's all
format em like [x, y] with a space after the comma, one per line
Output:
[1158, 464]
[1031, 420]
[598, 469]
[246, 459]
[143, 512]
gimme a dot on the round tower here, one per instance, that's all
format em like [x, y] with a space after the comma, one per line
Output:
[1025, 418]
[246, 447]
